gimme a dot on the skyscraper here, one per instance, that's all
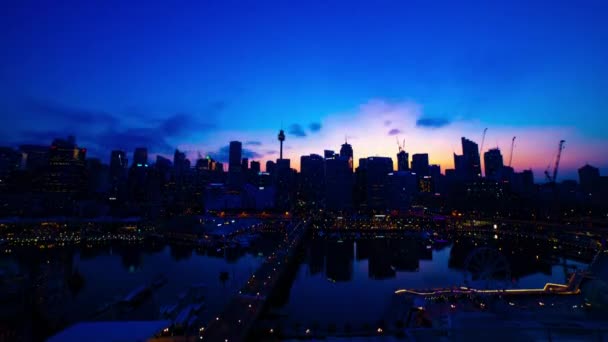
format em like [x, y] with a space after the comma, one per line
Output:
[235, 174]
[403, 161]
[338, 183]
[312, 177]
[346, 152]
[270, 167]
[234, 158]
[67, 167]
[377, 170]
[589, 177]
[468, 165]
[140, 157]
[493, 164]
[420, 164]
[255, 167]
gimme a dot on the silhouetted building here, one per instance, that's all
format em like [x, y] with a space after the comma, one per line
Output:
[67, 168]
[271, 167]
[253, 171]
[10, 162]
[329, 154]
[338, 184]
[523, 182]
[118, 175]
[377, 170]
[468, 165]
[35, 157]
[181, 165]
[436, 178]
[403, 187]
[403, 161]
[493, 164]
[346, 152]
[312, 176]
[235, 174]
[420, 164]
[255, 166]
[140, 157]
[283, 184]
[589, 177]
[245, 165]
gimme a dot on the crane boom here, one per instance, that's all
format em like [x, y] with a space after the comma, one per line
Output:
[559, 155]
[511, 155]
[551, 178]
[483, 138]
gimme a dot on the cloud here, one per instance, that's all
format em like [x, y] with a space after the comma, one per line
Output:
[51, 110]
[315, 126]
[297, 131]
[432, 122]
[394, 131]
[253, 143]
[387, 122]
[100, 131]
[224, 152]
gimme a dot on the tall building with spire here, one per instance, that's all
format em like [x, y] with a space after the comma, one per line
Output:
[346, 152]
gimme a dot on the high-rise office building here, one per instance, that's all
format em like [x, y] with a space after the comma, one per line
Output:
[67, 167]
[234, 158]
[420, 164]
[403, 161]
[235, 174]
[403, 186]
[338, 183]
[312, 179]
[283, 176]
[10, 162]
[255, 167]
[493, 164]
[377, 171]
[589, 178]
[140, 157]
[245, 164]
[346, 152]
[118, 174]
[472, 162]
[271, 167]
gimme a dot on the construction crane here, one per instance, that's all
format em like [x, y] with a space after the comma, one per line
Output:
[552, 178]
[483, 138]
[511, 155]
[401, 146]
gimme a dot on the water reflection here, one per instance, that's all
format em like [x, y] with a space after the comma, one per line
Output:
[53, 288]
[348, 279]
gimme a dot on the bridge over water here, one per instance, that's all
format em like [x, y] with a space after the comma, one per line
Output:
[239, 315]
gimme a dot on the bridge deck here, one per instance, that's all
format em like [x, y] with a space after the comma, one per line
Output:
[241, 312]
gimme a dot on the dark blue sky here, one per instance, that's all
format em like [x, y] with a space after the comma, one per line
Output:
[120, 74]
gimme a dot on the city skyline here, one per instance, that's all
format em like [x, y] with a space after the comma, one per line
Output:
[114, 78]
